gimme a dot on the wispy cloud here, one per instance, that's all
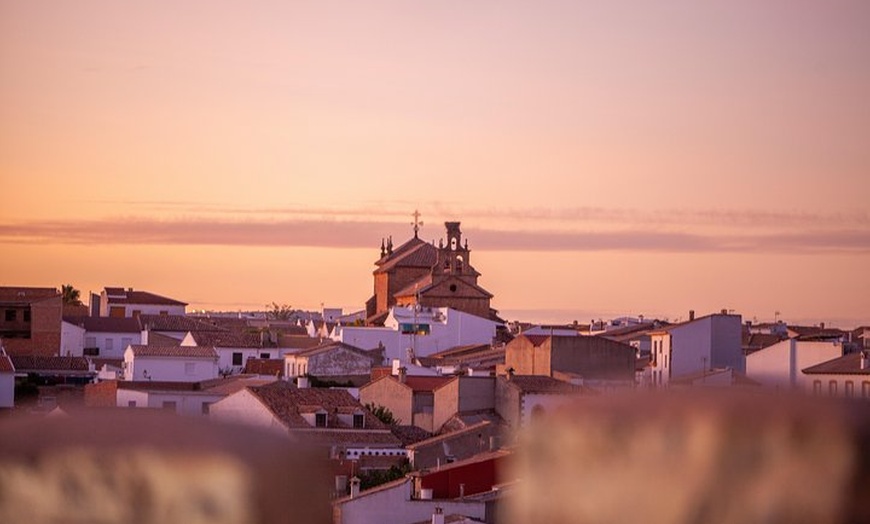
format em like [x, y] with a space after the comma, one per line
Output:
[367, 234]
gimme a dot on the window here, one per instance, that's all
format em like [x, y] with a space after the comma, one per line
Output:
[169, 404]
[832, 387]
[164, 313]
[91, 342]
[10, 315]
[27, 315]
[359, 420]
[817, 387]
[414, 329]
[850, 389]
[189, 368]
[91, 352]
[131, 403]
[265, 355]
[237, 359]
[320, 420]
[117, 312]
[206, 407]
[110, 343]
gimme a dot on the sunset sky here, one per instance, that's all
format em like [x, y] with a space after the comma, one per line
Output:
[605, 158]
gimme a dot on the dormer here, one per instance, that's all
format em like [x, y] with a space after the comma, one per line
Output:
[353, 417]
[315, 416]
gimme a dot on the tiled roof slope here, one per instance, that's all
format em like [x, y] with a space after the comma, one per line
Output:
[129, 296]
[288, 403]
[174, 351]
[228, 339]
[175, 323]
[45, 363]
[846, 365]
[26, 295]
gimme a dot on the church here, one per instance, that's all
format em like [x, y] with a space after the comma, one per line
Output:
[418, 272]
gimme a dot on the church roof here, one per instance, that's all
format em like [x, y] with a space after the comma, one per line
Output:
[413, 253]
[427, 282]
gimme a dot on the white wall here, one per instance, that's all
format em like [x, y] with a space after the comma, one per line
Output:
[780, 365]
[708, 342]
[395, 505]
[112, 345]
[819, 384]
[448, 328]
[171, 369]
[72, 340]
[243, 407]
[7, 390]
[188, 403]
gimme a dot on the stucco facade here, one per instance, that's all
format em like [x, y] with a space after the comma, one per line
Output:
[591, 357]
[779, 366]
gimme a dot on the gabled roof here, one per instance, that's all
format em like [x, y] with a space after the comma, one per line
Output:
[227, 339]
[117, 295]
[26, 295]
[106, 324]
[332, 346]
[42, 363]
[265, 366]
[846, 365]
[174, 351]
[413, 253]
[288, 403]
[179, 323]
[427, 282]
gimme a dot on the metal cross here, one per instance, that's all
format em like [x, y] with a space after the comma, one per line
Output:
[417, 222]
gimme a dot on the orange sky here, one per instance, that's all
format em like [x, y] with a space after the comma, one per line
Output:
[605, 158]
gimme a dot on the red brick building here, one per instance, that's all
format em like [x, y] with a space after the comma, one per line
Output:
[421, 273]
[30, 320]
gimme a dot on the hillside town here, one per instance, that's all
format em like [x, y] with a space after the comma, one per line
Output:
[416, 399]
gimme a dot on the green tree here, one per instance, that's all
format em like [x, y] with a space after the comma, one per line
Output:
[383, 414]
[71, 295]
[276, 311]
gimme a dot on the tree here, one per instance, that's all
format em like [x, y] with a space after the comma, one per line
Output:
[275, 311]
[71, 295]
[383, 414]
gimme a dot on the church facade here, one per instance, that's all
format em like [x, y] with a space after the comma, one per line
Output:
[421, 273]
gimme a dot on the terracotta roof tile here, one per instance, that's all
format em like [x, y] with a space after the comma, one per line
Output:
[544, 384]
[846, 365]
[122, 296]
[176, 323]
[228, 339]
[43, 363]
[174, 351]
[26, 295]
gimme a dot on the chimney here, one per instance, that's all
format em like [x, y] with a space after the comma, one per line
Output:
[302, 382]
[438, 516]
[403, 374]
[354, 487]
[822, 325]
[691, 315]
[493, 443]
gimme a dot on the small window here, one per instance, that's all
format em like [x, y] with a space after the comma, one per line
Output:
[169, 404]
[850, 389]
[359, 420]
[110, 343]
[832, 387]
[206, 407]
[164, 313]
[189, 368]
[10, 315]
[131, 403]
[27, 315]
[320, 420]
[265, 355]
[91, 352]
[237, 359]
[817, 387]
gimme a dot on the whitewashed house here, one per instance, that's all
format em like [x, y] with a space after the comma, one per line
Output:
[102, 337]
[121, 302]
[710, 342]
[183, 398]
[333, 360]
[410, 332]
[234, 348]
[170, 363]
[847, 376]
[7, 380]
[779, 366]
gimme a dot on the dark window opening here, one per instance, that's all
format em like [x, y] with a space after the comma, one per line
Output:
[237, 359]
[10, 315]
[320, 420]
[358, 420]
